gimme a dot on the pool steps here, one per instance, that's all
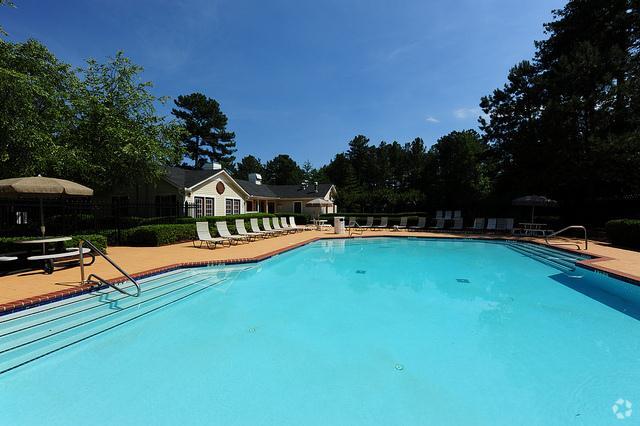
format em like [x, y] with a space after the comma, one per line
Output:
[33, 333]
[561, 260]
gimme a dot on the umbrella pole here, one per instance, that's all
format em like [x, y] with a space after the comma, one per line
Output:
[42, 229]
[533, 210]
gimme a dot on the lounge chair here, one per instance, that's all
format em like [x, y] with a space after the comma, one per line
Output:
[369, 223]
[447, 215]
[287, 227]
[256, 228]
[402, 225]
[478, 224]
[422, 223]
[204, 236]
[241, 230]
[504, 225]
[439, 214]
[491, 224]
[384, 222]
[292, 223]
[458, 222]
[266, 224]
[457, 214]
[277, 227]
[223, 231]
[439, 224]
[352, 223]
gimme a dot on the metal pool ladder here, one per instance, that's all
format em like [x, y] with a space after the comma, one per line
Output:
[586, 240]
[358, 230]
[93, 278]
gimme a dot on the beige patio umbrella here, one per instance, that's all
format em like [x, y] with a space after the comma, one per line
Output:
[320, 202]
[42, 187]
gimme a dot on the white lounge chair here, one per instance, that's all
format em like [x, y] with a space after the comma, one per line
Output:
[287, 227]
[277, 227]
[204, 236]
[478, 224]
[491, 224]
[504, 225]
[256, 228]
[402, 225]
[223, 231]
[439, 215]
[422, 223]
[266, 224]
[369, 223]
[447, 215]
[439, 224]
[292, 223]
[457, 214]
[352, 222]
[241, 230]
[458, 223]
[384, 222]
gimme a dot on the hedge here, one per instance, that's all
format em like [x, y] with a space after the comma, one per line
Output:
[157, 235]
[624, 232]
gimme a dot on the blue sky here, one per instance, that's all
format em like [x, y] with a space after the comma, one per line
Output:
[304, 77]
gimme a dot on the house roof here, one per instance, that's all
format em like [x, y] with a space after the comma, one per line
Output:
[284, 191]
[186, 178]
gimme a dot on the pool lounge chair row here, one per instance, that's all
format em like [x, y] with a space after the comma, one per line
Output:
[384, 223]
[492, 224]
[271, 228]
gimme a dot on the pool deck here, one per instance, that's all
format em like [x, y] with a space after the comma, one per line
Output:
[21, 290]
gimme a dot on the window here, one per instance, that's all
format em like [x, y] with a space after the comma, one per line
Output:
[208, 207]
[249, 206]
[297, 206]
[232, 206]
[199, 206]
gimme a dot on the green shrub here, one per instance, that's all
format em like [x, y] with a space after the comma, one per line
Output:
[624, 232]
[157, 235]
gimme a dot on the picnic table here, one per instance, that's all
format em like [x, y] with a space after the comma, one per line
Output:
[532, 228]
[49, 258]
[319, 223]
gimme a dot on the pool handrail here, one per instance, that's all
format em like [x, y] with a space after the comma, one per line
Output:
[586, 240]
[81, 242]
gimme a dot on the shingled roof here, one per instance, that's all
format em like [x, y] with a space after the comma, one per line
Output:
[284, 191]
[186, 178]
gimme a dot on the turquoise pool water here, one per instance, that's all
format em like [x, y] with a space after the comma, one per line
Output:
[373, 331]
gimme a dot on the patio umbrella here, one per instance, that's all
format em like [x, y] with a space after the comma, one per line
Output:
[320, 202]
[534, 201]
[42, 187]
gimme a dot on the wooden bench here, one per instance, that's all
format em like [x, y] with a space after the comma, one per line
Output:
[71, 253]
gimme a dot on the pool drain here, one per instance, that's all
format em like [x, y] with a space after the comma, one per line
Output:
[399, 367]
[463, 280]
[252, 329]
[360, 271]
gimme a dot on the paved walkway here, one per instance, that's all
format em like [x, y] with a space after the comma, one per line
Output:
[35, 284]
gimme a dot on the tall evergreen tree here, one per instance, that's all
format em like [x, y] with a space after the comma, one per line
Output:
[282, 170]
[208, 138]
[248, 164]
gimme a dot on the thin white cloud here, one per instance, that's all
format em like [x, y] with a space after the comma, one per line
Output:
[431, 119]
[464, 113]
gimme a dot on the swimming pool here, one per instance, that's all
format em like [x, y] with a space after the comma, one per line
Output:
[366, 331]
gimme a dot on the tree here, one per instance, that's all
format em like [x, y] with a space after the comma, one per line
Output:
[207, 137]
[36, 116]
[118, 139]
[566, 123]
[248, 164]
[455, 169]
[282, 170]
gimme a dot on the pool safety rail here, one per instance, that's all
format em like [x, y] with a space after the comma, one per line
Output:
[95, 279]
[584, 230]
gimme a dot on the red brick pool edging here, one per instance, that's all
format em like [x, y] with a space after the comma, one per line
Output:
[55, 296]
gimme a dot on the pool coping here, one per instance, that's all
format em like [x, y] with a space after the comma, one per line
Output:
[23, 304]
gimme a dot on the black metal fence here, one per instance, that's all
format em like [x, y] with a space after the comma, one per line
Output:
[21, 217]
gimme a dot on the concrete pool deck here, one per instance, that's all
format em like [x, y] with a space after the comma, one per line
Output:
[35, 287]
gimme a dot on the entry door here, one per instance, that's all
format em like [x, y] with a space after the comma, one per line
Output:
[272, 207]
[297, 206]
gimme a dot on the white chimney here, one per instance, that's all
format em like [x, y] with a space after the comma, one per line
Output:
[255, 178]
[212, 166]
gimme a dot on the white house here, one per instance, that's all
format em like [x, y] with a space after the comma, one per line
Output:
[211, 191]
